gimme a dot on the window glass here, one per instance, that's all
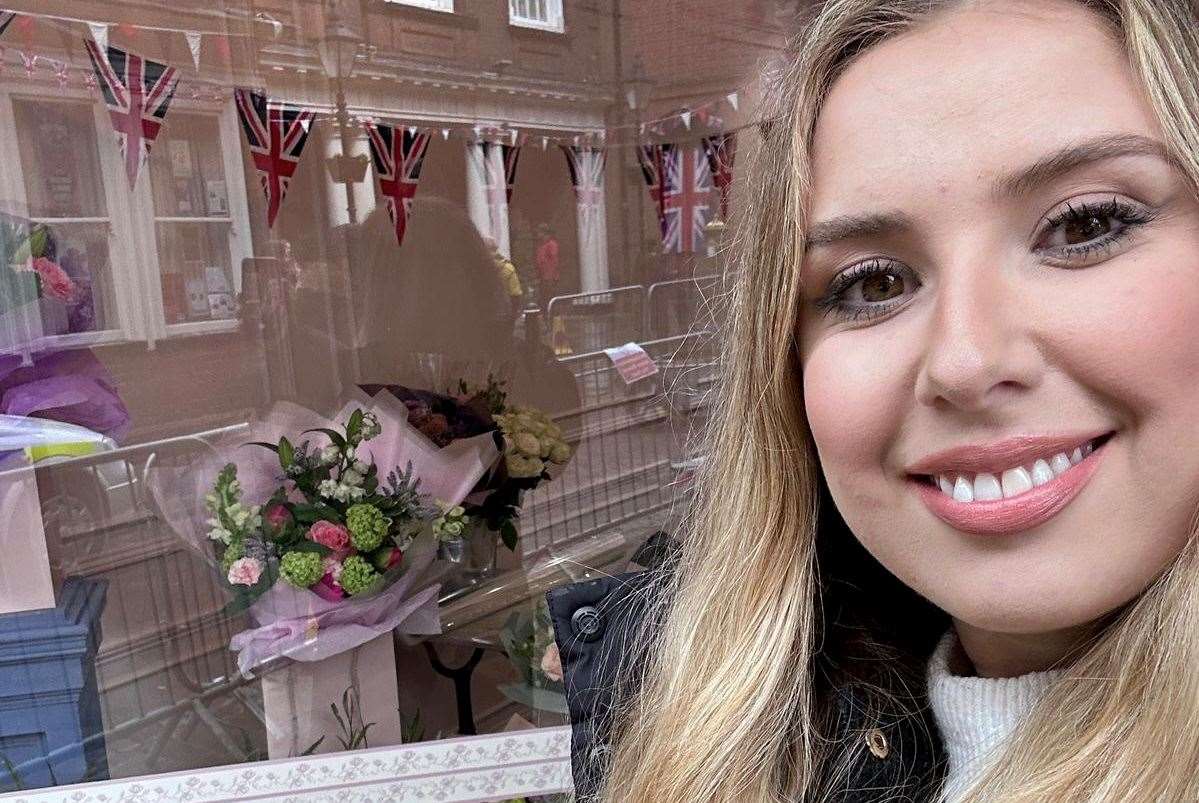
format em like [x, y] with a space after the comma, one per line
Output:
[333, 335]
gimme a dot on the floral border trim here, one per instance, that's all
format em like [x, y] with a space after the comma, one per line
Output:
[461, 770]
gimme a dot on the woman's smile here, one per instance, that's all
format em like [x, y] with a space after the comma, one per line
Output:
[1013, 500]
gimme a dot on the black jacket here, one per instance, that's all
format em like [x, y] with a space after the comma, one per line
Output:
[891, 757]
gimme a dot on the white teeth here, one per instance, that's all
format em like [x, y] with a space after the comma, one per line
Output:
[1016, 481]
[986, 487]
[1060, 463]
[1041, 473]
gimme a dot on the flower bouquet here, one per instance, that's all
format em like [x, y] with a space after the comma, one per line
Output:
[35, 291]
[530, 449]
[326, 545]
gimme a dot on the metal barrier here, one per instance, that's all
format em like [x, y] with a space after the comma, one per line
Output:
[629, 441]
[680, 305]
[585, 322]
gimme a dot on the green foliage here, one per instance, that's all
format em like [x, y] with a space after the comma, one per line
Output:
[353, 733]
[357, 575]
[301, 569]
[367, 526]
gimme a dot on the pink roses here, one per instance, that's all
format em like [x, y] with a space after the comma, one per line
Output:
[55, 281]
[331, 535]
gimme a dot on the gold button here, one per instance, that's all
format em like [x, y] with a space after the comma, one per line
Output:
[877, 743]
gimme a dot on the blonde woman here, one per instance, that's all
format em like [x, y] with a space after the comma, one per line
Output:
[946, 541]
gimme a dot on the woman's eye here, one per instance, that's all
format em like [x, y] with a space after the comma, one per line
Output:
[868, 290]
[1081, 231]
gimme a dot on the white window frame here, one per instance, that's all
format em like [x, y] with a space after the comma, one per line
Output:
[554, 20]
[128, 314]
[134, 265]
[433, 5]
[238, 220]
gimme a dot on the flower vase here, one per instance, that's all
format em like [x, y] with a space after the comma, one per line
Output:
[482, 544]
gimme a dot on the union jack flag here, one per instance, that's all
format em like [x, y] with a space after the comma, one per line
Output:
[511, 155]
[276, 133]
[398, 155]
[650, 159]
[587, 175]
[6, 18]
[137, 92]
[721, 150]
[686, 190]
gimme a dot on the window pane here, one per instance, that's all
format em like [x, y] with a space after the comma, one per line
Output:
[59, 159]
[197, 282]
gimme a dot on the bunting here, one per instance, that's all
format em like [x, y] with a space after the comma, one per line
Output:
[686, 190]
[276, 133]
[721, 150]
[586, 167]
[137, 92]
[398, 155]
[511, 155]
[650, 159]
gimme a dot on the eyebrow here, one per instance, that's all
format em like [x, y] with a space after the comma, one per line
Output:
[1010, 185]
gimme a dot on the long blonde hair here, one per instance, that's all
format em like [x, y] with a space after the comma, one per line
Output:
[731, 692]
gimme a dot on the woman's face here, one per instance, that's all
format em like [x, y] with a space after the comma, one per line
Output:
[998, 252]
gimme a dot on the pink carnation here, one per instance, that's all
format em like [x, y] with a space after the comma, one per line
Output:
[334, 536]
[55, 281]
[245, 572]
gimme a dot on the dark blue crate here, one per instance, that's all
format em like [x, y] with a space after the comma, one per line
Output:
[51, 731]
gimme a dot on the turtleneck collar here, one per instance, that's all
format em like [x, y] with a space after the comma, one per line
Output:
[976, 715]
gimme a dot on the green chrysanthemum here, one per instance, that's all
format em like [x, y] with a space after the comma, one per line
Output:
[367, 526]
[235, 551]
[357, 575]
[301, 569]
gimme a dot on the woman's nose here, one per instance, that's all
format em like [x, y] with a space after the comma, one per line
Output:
[979, 347]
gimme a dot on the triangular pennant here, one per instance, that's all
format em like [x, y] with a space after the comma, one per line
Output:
[62, 72]
[545, 141]
[6, 18]
[138, 93]
[680, 182]
[30, 61]
[732, 99]
[276, 133]
[511, 154]
[721, 150]
[99, 34]
[445, 134]
[193, 44]
[398, 155]
[686, 118]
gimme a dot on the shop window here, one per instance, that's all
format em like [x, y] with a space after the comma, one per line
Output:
[546, 14]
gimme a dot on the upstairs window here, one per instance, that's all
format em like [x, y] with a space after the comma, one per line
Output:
[544, 14]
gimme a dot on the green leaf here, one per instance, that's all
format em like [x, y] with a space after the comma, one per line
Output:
[509, 535]
[304, 545]
[333, 436]
[354, 425]
[264, 445]
[287, 453]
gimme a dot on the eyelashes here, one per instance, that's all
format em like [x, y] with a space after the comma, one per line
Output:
[836, 302]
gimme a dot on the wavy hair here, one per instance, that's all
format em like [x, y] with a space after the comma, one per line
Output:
[771, 603]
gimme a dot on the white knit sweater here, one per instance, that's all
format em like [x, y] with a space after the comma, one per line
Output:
[976, 715]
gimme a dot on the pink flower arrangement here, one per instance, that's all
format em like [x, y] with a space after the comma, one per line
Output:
[331, 535]
[55, 281]
[245, 572]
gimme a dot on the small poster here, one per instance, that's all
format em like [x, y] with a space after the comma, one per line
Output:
[197, 298]
[631, 362]
[181, 158]
[218, 197]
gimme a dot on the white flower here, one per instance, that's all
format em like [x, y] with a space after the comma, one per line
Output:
[527, 443]
[220, 534]
[560, 452]
[352, 478]
[362, 467]
[330, 455]
[520, 466]
[454, 528]
[370, 426]
[328, 489]
[457, 511]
